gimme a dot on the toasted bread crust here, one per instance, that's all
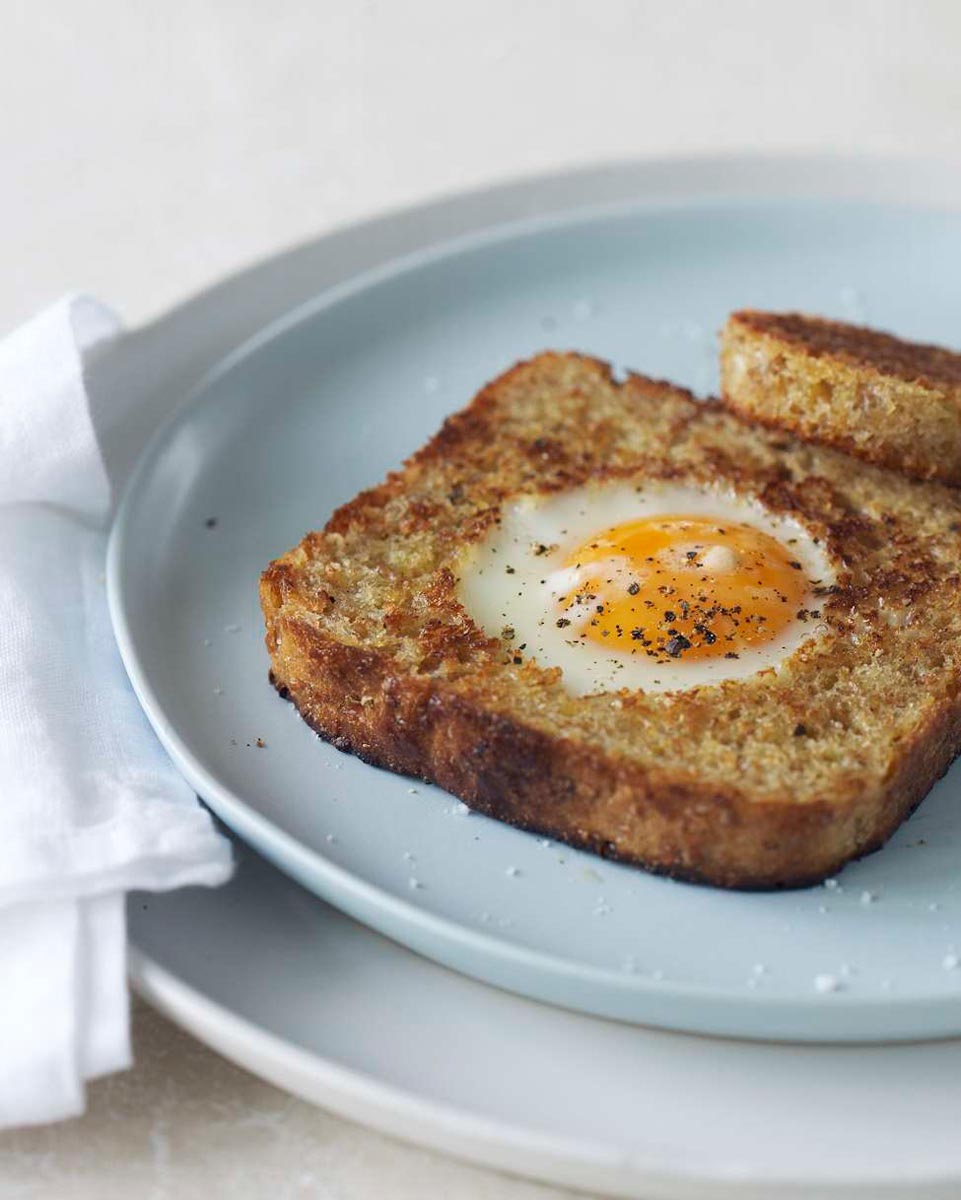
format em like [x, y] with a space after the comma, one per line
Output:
[774, 781]
[574, 794]
[883, 399]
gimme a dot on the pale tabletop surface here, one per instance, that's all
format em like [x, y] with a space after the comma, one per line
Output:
[149, 149]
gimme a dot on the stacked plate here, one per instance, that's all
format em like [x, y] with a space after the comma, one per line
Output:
[410, 315]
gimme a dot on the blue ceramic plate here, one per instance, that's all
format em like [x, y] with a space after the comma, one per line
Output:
[323, 404]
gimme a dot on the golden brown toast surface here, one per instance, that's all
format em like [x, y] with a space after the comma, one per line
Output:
[886, 400]
[773, 780]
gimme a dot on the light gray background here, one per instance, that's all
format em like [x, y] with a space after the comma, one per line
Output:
[148, 149]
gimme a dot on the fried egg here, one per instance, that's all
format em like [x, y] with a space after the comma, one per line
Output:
[656, 588]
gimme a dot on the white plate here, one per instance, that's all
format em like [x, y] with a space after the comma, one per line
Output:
[293, 990]
[330, 398]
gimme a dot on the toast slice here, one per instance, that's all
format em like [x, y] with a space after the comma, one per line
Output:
[888, 401]
[773, 780]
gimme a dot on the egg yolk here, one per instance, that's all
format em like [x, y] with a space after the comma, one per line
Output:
[685, 587]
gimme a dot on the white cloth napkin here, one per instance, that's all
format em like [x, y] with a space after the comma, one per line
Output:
[90, 806]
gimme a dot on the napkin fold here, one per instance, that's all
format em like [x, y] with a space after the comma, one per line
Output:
[90, 806]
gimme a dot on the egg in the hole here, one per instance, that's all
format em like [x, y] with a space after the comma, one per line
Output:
[653, 587]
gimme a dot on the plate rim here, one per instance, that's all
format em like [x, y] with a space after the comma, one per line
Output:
[451, 1129]
[285, 847]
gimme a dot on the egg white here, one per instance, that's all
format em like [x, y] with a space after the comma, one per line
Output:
[512, 580]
